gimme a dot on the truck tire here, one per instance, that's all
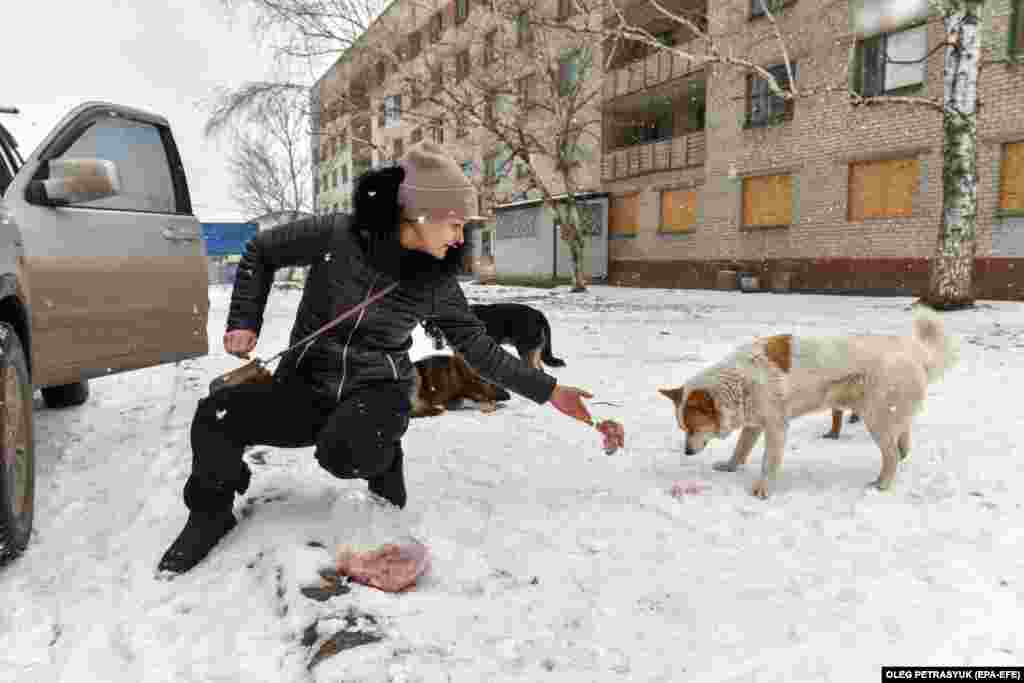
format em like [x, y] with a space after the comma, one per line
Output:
[17, 447]
[66, 395]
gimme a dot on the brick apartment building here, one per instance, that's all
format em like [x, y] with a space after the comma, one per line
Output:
[709, 173]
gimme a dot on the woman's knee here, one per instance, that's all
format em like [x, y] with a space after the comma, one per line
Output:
[362, 437]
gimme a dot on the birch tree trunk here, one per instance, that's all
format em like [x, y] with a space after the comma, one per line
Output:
[951, 269]
[570, 233]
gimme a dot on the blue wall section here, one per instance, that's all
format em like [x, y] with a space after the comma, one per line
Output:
[225, 239]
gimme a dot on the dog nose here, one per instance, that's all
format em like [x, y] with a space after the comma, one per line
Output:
[690, 451]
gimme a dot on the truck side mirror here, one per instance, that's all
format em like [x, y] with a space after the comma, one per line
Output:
[75, 181]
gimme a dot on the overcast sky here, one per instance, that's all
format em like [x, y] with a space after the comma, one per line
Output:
[166, 57]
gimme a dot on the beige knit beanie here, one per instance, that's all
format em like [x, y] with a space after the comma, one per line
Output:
[435, 188]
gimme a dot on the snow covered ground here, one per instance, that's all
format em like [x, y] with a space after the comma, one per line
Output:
[551, 561]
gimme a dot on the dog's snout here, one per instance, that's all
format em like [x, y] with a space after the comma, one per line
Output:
[689, 450]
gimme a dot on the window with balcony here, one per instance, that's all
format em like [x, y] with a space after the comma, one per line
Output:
[437, 133]
[764, 107]
[413, 51]
[437, 80]
[382, 72]
[768, 201]
[524, 34]
[461, 10]
[490, 110]
[391, 111]
[526, 87]
[399, 148]
[570, 67]
[882, 188]
[891, 63]
[436, 27]
[462, 65]
[489, 51]
[566, 9]
[416, 136]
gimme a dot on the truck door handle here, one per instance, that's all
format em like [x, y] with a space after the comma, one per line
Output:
[175, 235]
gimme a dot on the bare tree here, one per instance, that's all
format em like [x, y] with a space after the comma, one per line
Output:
[270, 157]
[951, 267]
[523, 84]
[534, 102]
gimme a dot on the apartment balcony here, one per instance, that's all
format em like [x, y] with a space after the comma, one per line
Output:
[646, 73]
[683, 151]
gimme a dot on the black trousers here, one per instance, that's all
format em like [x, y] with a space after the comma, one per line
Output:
[356, 438]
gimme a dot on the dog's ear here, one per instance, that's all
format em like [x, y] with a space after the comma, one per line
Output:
[674, 395]
[701, 412]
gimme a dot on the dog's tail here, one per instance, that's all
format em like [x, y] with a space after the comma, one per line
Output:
[944, 349]
[545, 354]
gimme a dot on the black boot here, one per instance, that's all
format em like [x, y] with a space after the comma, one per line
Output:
[209, 520]
[202, 531]
[391, 484]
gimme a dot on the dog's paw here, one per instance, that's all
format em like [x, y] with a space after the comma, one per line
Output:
[880, 485]
[760, 489]
[724, 466]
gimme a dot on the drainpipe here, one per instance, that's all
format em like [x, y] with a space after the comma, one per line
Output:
[554, 248]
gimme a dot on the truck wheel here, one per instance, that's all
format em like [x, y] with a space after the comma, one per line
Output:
[66, 395]
[17, 447]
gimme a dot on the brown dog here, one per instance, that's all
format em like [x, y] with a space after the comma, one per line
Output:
[442, 380]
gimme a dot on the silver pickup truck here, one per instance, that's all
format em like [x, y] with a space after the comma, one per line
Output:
[102, 270]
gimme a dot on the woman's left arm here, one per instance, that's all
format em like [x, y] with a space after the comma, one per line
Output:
[468, 336]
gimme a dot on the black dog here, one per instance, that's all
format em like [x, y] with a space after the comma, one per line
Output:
[522, 326]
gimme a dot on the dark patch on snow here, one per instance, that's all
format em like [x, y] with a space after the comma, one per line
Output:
[330, 586]
[353, 634]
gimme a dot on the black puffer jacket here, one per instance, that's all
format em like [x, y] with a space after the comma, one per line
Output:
[374, 349]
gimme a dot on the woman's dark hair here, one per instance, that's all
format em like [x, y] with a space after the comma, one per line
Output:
[376, 222]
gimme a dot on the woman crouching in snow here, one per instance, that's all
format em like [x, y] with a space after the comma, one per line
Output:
[347, 391]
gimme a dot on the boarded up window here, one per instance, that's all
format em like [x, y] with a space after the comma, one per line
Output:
[1011, 178]
[624, 214]
[768, 200]
[678, 210]
[882, 189]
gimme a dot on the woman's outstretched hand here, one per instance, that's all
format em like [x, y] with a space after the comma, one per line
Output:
[569, 400]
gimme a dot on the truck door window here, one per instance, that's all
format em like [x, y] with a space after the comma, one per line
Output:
[138, 151]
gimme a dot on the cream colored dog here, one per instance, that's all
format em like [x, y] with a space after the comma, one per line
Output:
[764, 384]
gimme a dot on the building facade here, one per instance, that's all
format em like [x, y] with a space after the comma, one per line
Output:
[708, 174]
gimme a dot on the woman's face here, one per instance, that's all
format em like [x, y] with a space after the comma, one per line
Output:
[435, 237]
